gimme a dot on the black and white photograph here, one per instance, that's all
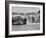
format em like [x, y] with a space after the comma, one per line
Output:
[25, 18]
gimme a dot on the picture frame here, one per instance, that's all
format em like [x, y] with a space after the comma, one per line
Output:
[15, 5]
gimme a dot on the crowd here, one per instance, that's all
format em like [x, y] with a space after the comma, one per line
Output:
[33, 18]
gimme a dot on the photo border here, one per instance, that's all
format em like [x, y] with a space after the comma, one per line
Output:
[7, 18]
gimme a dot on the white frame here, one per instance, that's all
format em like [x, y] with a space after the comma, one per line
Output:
[25, 32]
